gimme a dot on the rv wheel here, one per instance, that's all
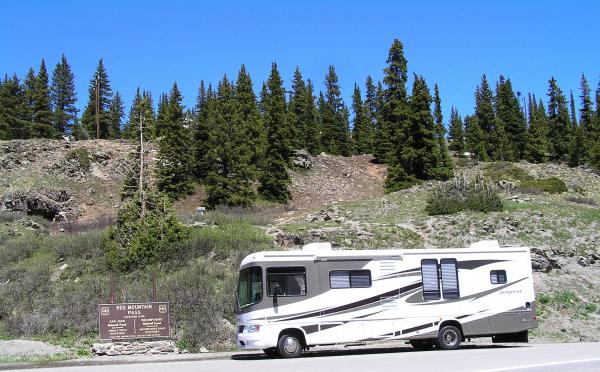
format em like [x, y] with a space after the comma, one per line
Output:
[289, 346]
[449, 338]
[421, 345]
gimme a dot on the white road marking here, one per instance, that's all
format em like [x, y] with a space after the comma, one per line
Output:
[541, 365]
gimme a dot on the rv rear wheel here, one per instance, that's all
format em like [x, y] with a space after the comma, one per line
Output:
[449, 338]
[289, 346]
[421, 345]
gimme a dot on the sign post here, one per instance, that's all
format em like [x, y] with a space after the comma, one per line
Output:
[134, 320]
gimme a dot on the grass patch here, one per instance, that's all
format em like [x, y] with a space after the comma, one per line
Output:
[82, 156]
[34, 359]
[505, 171]
[552, 185]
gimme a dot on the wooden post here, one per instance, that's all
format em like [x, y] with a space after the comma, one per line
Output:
[142, 196]
[112, 288]
[154, 286]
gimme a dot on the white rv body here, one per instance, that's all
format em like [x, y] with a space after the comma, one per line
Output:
[484, 290]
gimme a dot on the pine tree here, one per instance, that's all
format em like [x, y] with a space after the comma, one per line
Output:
[41, 110]
[335, 136]
[572, 107]
[395, 110]
[475, 138]
[116, 112]
[205, 108]
[274, 178]
[589, 127]
[486, 119]
[252, 129]
[310, 120]
[229, 181]
[14, 111]
[88, 121]
[419, 156]
[173, 174]
[141, 107]
[63, 97]
[29, 87]
[444, 163]
[297, 103]
[372, 112]
[593, 153]
[559, 132]
[360, 128]
[537, 150]
[160, 124]
[511, 120]
[456, 133]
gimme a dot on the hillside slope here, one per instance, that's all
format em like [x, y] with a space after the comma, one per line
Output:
[338, 199]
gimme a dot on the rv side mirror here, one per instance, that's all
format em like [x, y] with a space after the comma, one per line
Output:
[277, 291]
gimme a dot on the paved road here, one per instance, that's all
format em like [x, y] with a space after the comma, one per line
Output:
[540, 357]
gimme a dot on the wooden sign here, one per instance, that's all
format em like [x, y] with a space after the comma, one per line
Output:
[134, 320]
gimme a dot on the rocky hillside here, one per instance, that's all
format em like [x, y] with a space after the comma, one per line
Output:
[63, 181]
[342, 200]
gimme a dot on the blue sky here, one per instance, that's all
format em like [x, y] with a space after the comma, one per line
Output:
[152, 43]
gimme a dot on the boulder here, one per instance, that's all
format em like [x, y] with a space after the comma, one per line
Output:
[288, 240]
[302, 159]
[51, 204]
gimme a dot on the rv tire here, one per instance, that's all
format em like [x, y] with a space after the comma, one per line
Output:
[289, 346]
[449, 338]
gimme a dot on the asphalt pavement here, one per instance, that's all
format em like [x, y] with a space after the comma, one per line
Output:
[528, 357]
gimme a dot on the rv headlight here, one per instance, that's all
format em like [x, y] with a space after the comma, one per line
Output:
[252, 328]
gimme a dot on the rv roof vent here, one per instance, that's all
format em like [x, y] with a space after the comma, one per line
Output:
[490, 244]
[317, 247]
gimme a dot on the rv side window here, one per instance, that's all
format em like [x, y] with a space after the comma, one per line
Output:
[350, 279]
[449, 278]
[498, 276]
[290, 281]
[429, 275]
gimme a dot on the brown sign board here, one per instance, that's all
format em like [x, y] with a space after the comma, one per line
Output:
[133, 320]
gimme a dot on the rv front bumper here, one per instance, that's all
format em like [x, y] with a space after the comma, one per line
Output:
[252, 342]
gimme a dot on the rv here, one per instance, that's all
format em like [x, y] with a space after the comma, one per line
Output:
[289, 301]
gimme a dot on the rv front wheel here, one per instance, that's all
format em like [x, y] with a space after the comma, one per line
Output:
[289, 346]
[449, 338]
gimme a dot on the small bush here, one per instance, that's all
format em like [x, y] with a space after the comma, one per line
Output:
[98, 223]
[499, 171]
[462, 193]
[136, 242]
[565, 299]
[582, 200]
[464, 162]
[11, 216]
[82, 156]
[544, 298]
[552, 185]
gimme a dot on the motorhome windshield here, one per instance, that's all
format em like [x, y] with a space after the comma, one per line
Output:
[250, 286]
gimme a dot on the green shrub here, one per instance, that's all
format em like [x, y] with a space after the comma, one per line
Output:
[503, 170]
[552, 185]
[543, 298]
[82, 156]
[565, 299]
[135, 241]
[462, 193]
